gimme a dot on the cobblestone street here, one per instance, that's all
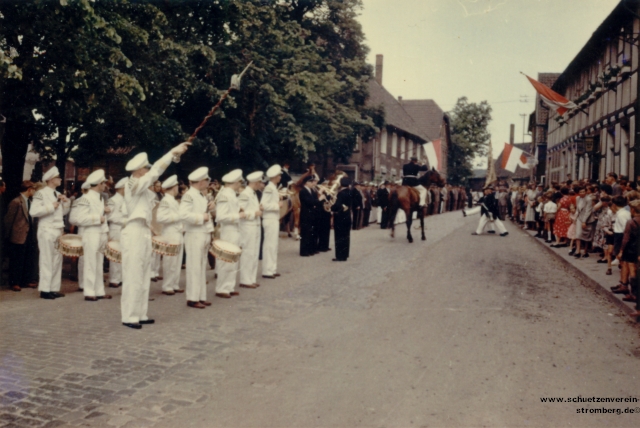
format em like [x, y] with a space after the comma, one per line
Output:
[456, 331]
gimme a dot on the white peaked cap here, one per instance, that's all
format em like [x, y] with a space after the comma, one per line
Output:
[274, 171]
[52, 173]
[139, 161]
[120, 184]
[96, 177]
[170, 182]
[233, 176]
[85, 186]
[255, 176]
[199, 174]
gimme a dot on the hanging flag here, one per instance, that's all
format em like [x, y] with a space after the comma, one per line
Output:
[512, 157]
[434, 153]
[551, 98]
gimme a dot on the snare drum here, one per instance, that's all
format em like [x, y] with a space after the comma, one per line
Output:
[70, 245]
[225, 251]
[113, 252]
[164, 247]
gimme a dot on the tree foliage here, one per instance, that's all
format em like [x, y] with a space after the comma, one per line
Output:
[82, 78]
[469, 138]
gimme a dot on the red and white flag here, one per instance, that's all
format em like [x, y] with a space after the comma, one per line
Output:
[512, 157]
[434, 153]
[551, 98]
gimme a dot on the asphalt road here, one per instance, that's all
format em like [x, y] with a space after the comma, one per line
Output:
[455, 331]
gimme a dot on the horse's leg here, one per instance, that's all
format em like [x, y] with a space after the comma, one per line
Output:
[409, 220]
[422, 216]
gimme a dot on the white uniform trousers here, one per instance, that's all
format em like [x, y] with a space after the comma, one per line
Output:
[196, 244]
[483, 222]
[50, 262]
[156, 262]
[115, 269]
[92, 244]
[227, 272]
[250, 235]
[271, 228]
[171, 265]
[136, 271]
[423, 194]
[81, 272]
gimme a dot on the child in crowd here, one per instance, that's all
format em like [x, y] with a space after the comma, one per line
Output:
[571, 233]
[622, 216]
[550, 209]
[605, 222]
[539, 209]
[629, 253]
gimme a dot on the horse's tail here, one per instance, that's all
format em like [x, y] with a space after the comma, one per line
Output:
[393, 208]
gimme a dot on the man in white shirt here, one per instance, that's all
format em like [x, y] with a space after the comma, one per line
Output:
[250, 231]
[168, 216]
[91, 217]
[115, 220]
[270, 206]
[50, 207]
[136, 236]
[198, 224]
[228, 216]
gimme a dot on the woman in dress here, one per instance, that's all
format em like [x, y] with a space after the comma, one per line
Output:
[563, 221]
[530, 205]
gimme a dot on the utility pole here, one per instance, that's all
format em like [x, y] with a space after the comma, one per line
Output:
[524, 115]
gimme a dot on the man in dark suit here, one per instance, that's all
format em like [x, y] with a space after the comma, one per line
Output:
[366, 204]
[342, 221]
[489, 212]
[308, 208]
[21, 232]
[356, 206]
[285, 178]
[383, 202]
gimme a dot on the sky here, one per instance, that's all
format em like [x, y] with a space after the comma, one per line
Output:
[446, 49]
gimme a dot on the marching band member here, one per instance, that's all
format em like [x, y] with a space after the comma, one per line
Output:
[250, 231]
[73, 219]
[114, 219]
[136, 236]
[228, 216]
[194, 213]
[342, 221]
[308, 206]
[50, 206]
[91, 216]
[323, 221]
[270, 206]
[169, 216]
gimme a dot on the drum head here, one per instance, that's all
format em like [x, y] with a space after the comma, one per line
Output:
[114, 245]
[71, 239]
[226, 246]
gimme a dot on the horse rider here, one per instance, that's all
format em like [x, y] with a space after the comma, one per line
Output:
[410, 178]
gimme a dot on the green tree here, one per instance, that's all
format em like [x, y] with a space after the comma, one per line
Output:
[469, 138]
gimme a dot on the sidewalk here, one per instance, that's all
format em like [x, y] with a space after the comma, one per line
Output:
[592, 273]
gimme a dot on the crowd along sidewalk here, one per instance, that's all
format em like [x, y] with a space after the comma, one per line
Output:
[592, 273]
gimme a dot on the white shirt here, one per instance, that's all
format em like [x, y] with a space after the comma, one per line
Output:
[550, 207]
[90, 209]
[139, 200]
[270, 202]
[114, 203]
[192, 210]
[42, 207]
[227, 208]
[622, 217]
[169, 215]
[248, 201]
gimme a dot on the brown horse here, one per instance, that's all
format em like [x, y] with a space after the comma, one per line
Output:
[407, 199]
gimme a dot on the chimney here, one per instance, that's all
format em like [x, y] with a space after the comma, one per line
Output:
[379, 69]
[400, 98]
[511, 133]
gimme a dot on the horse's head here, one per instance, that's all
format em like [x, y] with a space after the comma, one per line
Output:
[432, 177]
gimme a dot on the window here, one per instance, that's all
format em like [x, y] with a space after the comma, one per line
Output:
[410, 154]
[394, 145]
[403, 148]
[383, 142]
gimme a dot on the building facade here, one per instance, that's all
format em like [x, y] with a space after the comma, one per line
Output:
[597, 137]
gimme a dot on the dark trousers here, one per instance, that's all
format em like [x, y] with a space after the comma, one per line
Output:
[356, 216]
[324, 230]
[24, 263]
[308, 239]
[365, 219]
[384, 219]
[342, 240]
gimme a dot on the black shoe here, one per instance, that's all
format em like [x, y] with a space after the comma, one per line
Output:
[474, 234]
[547, 241]
[56, 294]
[585, 256]
[149, 321]
[572, 252]
[601, 261]
[504, 234]
[47, 295]
[132, 325]
[338, 260]
[491, 231]
[577, 256]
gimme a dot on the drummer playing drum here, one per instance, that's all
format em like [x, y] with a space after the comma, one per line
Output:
[172, 231]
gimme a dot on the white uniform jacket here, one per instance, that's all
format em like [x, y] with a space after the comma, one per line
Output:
[227, 208]
[270, 202]
[42, 207]
[90, 209]
[114, 204]
[169, 216]
[139, 200]
[193, 206]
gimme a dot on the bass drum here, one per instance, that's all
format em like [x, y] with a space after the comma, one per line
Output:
[225, 251]
[113, 251]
